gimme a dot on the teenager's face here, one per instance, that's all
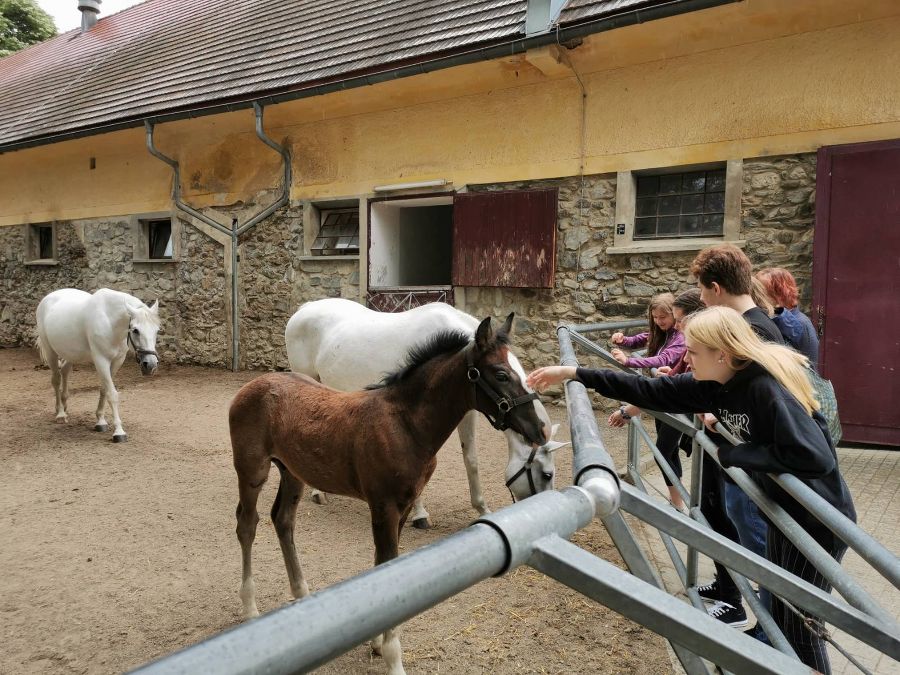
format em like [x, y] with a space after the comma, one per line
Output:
[710, 295]
[706, 363]
[678, 316]
[662, 319]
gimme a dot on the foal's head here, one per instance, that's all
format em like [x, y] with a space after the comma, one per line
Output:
[143, 325]
[500, 393]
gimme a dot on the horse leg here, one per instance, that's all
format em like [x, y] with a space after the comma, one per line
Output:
[101, 424]
[64, 370]
[466, 432]
[247, 517]
[284, 514]
[386, 532]
[108, 389]
[56, 380]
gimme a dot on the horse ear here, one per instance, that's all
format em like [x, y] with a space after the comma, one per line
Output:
[131, 310]
[484, 333]
[508, 324]
[155, 307]
[553, 446]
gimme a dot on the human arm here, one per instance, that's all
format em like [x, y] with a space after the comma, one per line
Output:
[798, 446]
[680, 394]
[622, 415]
[638, 340]
[669, 355]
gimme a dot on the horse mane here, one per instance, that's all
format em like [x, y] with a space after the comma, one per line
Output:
[442, 342]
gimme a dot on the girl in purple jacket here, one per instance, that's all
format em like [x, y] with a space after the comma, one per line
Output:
[665, 347]
[665, 343]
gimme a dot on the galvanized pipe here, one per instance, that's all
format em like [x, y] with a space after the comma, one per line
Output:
[869, 549]
[589, 451]
[831, 569]
[856, 622]
[658, 611]
[235, 231]
[606, 325]
[301, 636]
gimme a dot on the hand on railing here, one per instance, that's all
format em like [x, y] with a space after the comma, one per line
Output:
[619, 356]
[663, 370]
[621, 416]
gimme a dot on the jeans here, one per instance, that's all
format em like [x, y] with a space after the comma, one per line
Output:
[750, 526]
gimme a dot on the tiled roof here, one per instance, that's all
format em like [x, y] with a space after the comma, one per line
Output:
[169, 55]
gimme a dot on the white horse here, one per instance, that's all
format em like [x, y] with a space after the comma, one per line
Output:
[78, 327]
[348, 346]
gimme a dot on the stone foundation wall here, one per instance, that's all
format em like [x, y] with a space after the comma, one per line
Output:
[275, 277]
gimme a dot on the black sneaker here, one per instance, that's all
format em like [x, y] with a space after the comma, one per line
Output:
[709, 591]
[730, 615]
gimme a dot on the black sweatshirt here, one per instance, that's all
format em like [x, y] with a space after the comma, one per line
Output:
[776, 433]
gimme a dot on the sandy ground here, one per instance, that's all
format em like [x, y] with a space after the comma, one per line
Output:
[114, 554]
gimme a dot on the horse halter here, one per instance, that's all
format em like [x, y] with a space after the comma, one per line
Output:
[138, 352]
[504, 404]
[526, 469]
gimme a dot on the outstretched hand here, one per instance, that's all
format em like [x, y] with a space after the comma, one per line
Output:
[547, 376]
[619, 356]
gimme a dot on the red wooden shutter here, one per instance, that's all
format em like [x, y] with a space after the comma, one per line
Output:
[505, 238]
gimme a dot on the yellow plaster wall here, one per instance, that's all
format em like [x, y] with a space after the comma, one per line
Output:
[750, 79]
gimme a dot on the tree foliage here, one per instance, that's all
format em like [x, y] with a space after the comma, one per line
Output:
[23, 23]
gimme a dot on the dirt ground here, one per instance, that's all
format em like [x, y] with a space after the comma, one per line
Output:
[115, 554]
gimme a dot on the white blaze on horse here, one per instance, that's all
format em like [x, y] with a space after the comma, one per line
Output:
[75, 327]
[347, 346]
[377, 445]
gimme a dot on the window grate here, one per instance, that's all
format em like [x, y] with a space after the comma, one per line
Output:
[689, 204]
[338, 234]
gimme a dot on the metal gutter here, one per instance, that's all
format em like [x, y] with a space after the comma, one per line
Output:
[235, 230]
[505, 49]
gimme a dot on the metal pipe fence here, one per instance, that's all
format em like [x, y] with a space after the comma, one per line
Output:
[862, 616]
[303, 635]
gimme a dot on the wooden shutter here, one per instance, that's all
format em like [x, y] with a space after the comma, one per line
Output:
[505, 239]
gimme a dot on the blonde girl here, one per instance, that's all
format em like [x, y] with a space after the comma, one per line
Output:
[761, 393]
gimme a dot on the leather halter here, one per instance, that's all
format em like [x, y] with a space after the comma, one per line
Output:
[526, 469]
[504, 404]
[138, 352]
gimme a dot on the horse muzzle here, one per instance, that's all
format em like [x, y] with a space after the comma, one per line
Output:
[149, 364]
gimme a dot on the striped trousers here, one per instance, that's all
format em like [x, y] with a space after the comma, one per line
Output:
[809, 647]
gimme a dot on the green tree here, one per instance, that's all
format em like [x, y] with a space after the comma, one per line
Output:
[23, 23]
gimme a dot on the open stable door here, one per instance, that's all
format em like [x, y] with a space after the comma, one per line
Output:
[856, 285]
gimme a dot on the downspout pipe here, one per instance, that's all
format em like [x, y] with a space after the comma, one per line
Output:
[486, 53]
[236, 230]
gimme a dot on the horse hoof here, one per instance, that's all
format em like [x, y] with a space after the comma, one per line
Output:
[62, 420]
[320, 498]
[101, 427]
[120, 438]
[422, 523]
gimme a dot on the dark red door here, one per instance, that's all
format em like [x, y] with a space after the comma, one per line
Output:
[856, 285]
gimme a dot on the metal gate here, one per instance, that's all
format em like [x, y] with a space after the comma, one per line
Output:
[303, 635]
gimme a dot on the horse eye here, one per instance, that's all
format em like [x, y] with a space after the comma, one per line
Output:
[135, 331]
[547, 475]
[501, 376]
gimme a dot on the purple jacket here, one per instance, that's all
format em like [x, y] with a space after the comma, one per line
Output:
[669, 355]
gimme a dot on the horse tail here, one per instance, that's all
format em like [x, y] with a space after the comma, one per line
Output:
[43, 349]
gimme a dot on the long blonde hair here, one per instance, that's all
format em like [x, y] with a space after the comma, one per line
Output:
[722, 328]
[761, 297]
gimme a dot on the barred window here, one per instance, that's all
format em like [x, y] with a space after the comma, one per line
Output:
[690, 204]
[159, 239]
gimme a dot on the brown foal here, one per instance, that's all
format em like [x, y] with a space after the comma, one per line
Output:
[377, 445]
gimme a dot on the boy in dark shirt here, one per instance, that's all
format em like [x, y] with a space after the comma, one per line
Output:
[725, 275]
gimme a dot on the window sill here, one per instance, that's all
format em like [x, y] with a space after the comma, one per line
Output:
[164, 261]
[47, 262]
[312, 258]
[667, 245]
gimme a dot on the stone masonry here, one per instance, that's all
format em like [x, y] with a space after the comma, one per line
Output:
[275, 277]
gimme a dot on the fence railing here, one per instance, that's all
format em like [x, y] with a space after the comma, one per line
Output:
[861, 616]
[305, 634]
